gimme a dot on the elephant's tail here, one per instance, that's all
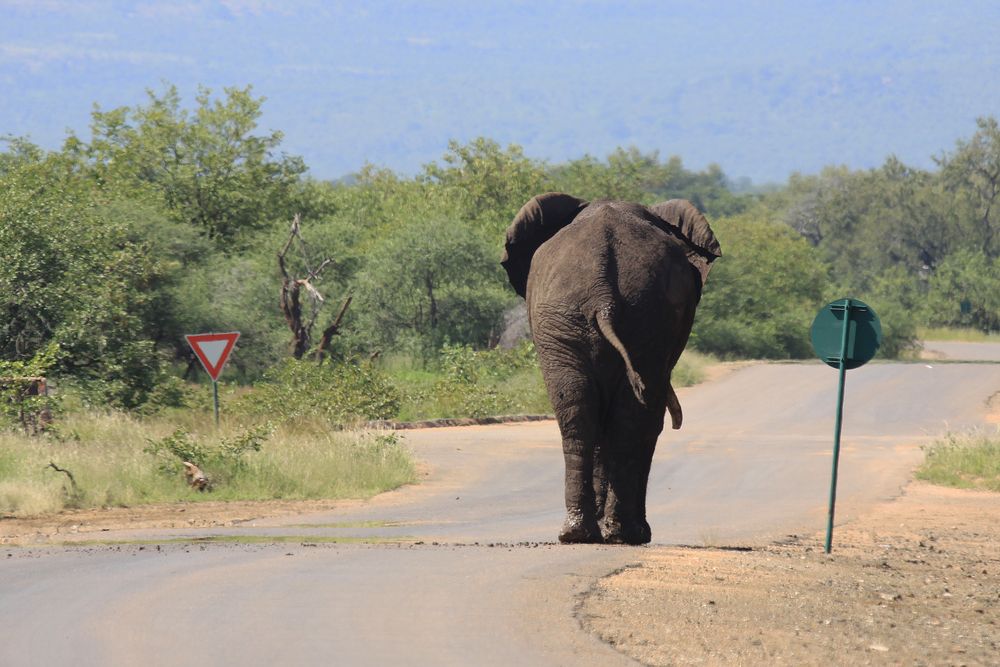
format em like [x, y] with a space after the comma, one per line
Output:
[608, 331]
[674, 406]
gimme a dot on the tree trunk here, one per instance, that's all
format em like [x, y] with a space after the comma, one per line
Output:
[430, 294]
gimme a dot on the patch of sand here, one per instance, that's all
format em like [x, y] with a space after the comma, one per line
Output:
[915, 581]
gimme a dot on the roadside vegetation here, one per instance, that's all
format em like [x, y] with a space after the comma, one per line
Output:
[301, 432]
[380, 296]
[964, 460]
[957, 335]
[118, 459]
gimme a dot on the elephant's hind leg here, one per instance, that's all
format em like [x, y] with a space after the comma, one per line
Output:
[580, 525]
[631, 440]
[574, 399]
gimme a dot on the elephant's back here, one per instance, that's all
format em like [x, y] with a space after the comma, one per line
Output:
[611, 250]
[612, 262]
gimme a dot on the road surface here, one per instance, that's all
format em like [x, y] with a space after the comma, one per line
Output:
[461, 569]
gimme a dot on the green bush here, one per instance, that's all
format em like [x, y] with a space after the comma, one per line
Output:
[221, 463]
[428, 282]
[171, 392]
[18, 405]
[473, 382]
[762, 294]
[339, 393]
[963, 460]
[965, 292]
[73, 272]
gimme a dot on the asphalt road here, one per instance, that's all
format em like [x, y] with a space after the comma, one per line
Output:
[483, 584]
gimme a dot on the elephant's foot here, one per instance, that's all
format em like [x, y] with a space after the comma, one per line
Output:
[617, 532]
[645, 532]
[578, 529]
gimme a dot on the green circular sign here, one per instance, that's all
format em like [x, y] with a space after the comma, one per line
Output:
[863, 334]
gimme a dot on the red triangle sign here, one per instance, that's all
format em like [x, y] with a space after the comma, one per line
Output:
[212, 350]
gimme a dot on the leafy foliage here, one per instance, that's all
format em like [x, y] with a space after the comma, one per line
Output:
[486, 183]
[965, 292]
[969, 460]
[972, 173]
[631, 175]
[924, 243]
[472, 380]
[430, 282]
[166, 220]
[207, 166]
[74, 272]
[21, 401]
[220, 462]
[762, 295]
[338, 393]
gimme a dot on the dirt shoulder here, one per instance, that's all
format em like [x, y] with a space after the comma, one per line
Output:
[916, 581]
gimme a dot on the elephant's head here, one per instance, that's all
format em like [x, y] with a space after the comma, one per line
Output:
[544, 215]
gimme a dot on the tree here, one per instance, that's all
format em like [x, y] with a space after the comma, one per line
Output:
[432, 282]
[208, 166]
[301, 324]
[73, 272]
[867, 222]
[973, 172]
[762, 294]
[19, 152]
[911, 220]
[487, 183]
[589, 178]
[631, 175]
[965, 292]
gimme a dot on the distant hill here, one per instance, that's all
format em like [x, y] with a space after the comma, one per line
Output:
[763, 89]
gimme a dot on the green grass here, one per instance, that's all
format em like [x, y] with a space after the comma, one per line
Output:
[427, 397]
[692, 368]
[965, 461]
[304, 457]
[469, 384]
[954, 334]
[427, 394]
[106, 455]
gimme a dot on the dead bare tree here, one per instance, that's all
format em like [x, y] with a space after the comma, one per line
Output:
[331, 331]
[300, 324]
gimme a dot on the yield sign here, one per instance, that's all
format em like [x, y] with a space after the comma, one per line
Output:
[212, 350]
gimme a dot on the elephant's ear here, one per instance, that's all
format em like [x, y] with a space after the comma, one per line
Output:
[534, 224]
[692, 226]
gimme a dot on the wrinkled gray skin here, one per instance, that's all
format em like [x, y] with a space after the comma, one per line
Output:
[611, 289]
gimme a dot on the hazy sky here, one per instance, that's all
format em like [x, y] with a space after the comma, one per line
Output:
[761, 88]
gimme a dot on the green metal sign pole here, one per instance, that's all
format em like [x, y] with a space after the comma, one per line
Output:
[846, 334]
[842, 368]
[215, 399]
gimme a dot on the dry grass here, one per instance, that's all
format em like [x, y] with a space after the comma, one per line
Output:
[106, 455]
[964, 460]
[692, 368]
[955, 334]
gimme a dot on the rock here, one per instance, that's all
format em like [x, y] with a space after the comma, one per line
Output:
[515, 326]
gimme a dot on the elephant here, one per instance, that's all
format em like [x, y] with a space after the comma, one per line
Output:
[611, 289]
